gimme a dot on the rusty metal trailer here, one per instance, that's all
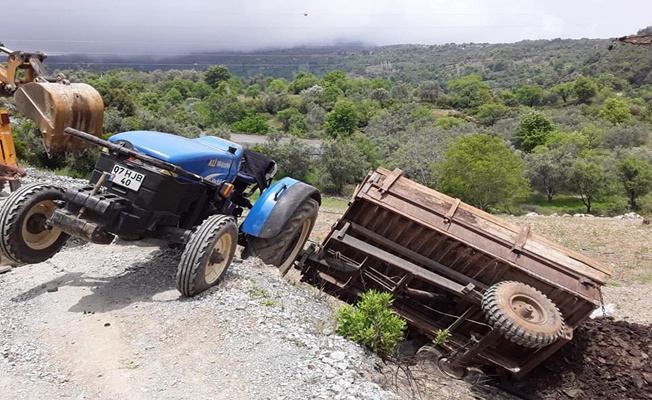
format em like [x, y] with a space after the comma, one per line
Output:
[506, 296]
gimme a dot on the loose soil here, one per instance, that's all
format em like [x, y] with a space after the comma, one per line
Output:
[606, 359]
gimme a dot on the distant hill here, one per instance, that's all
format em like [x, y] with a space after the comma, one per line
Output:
[542, 62]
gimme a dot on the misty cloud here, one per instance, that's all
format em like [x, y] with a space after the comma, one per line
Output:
[166, 27]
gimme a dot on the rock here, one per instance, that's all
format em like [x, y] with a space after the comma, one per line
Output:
[531, 215]
[578, 215]
[632, 216]
[573, 393]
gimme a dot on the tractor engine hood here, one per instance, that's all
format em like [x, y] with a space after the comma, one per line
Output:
[211, 157]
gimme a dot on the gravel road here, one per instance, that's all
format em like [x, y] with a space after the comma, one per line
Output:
[106, 322]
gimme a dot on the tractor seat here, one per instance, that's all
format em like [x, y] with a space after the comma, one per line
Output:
[256, 169]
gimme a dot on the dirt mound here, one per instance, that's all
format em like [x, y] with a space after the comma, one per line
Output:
[606, 359]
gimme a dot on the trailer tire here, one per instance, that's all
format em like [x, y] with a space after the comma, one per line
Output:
[522, 314]
[282, 249]
[207, 255]
[24, 236]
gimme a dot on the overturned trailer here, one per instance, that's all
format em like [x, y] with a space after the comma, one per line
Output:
[507, 296]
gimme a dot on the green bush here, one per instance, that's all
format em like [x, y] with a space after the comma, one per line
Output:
[371, 322]
[646, 206]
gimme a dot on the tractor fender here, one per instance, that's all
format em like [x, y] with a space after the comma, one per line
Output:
[275, 206]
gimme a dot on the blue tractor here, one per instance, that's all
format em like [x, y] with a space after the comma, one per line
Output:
[185, 191]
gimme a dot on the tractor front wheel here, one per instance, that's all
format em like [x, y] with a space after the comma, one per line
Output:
[207, 255]
[25, 236]
[282, 249]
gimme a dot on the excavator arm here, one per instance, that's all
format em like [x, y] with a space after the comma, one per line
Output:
[17, 61]
[53, 103]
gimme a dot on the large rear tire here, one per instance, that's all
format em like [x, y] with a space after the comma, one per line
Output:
[282, 249]
[207, 255]
[25, 238]
[523, 315]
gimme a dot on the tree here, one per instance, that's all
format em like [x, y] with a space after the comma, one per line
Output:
[469, 92]
[482, 171]
[419, 156]
[252, 124]
[547, 170]
[341, 163]
[343, 120]
[428, 91]
[529, 95]
[293, 121]
[400, 92]
[508, 98]
[589, 179]
[302, 80]
[533, 130]
[563, 90]
[381, 95]
[489, 114]
[329, 95]
[615, 111]
[335, 78]
[293, 157]
[636, 176]
[216, 75]
[585, 89]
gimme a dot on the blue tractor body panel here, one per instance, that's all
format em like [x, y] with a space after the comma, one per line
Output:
[276, 206]
[213, 158]
[255, 221]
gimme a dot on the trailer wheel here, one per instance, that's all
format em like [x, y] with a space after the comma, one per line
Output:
[207, 255]
[25, 237]
[523, 314]
[282, 249]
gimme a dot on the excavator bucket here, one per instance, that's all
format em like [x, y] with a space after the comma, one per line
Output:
[56, 106]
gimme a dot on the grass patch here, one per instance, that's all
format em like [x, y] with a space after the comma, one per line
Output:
[258, 293]
[570, 204]
[261, 295]
[645, 279]
[335, 202]
[295, 342]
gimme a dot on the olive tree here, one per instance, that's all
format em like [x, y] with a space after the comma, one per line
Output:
[547, 170]
[341, 163]
[636, 176]
[589, 179]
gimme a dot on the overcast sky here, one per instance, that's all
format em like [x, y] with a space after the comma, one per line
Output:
[172, 27]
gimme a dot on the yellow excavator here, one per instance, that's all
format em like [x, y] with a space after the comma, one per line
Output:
[54, 104]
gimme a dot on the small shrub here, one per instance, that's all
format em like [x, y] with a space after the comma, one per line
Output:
[442, 337]
[646, 206]
[618, 206]
[371, 322]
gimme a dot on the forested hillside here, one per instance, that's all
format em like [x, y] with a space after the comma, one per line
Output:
[560, 125]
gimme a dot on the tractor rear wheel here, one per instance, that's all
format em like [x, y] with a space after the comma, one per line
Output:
[282, 249]
[523, 314]
[25, 236]
[207, 255]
